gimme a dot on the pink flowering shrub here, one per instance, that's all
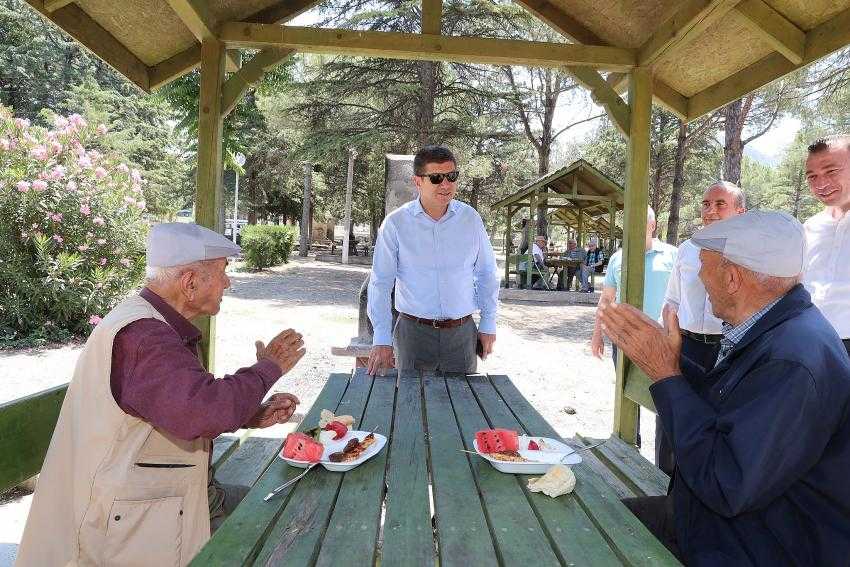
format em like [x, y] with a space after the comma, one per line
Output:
[71, 229]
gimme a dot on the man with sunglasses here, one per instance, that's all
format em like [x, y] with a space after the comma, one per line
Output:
[436, 253]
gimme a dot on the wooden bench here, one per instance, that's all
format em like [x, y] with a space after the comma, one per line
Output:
[26, 426]
[624, 468]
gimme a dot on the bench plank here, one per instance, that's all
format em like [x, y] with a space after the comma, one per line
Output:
[27, 425]
[634, 544]
[245, 465]
[467, 540]
[630, 466]
[408, 536]
[236, 541]
[297, 535]
[515, 528]
[223, 447]
[352, 533]
[574, 535]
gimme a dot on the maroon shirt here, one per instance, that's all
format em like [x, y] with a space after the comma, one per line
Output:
[158, 377]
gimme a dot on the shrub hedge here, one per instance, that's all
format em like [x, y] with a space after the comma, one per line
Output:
[266, 245]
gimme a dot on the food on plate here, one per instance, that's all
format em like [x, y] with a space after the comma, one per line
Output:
[497, 440]
[301, 447]
[557, 481]
[327, 416]
[338, 428]
[533, 445]
[511, 456]
[352, 450]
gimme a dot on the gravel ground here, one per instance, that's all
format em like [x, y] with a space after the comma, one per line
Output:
[543, 347]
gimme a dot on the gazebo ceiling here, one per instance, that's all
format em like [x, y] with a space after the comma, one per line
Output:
[702, 53]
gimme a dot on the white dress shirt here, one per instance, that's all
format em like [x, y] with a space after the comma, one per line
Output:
[441, 269]
[687, 294]
[827, 275]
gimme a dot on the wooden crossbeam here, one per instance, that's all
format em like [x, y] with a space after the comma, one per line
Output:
[187, 60]
[826, 38]
[425, 47]
[775, 29]
[250, 73]
[432, 15]
[603, 95]
[53, 5]
[690, 21]
[196, 16]
[79, 25]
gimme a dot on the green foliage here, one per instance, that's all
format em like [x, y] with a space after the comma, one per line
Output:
[266, 245]
[71, 229]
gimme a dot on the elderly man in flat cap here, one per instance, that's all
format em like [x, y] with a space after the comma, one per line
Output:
[762, 441]
[126, 479]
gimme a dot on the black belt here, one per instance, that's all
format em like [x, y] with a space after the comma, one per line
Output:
[699, 337]
[438, 323]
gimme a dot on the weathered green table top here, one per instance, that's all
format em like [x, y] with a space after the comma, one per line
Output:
[421, 501]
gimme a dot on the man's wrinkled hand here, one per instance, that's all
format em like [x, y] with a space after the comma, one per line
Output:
[487, 342]
[653, 348]
[277, 409]
[381, 359]
[285, 350]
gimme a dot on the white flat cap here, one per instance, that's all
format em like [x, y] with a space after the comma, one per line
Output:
[767, 242]
[179, 243]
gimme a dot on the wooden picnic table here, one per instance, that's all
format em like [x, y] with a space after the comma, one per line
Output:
[421, 501]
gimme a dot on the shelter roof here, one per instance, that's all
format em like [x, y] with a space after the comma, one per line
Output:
[598, 225]
[575, 186]
[703, 53]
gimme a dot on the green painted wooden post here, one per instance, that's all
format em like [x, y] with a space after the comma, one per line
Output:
[580, 227]
[612, 217]
[530, 229]
[508, 216]
[209, 193]
[634, 234]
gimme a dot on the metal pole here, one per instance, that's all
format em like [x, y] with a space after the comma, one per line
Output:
[352, 155]
[236, 209]
[305, 211]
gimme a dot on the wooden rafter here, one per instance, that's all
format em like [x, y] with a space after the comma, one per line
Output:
[690, 21]
[604, 96]
[830, 36]
[425, 47]
[432, 15]
[569, 27]
[93, 37]
[53, 5]
[196, 16]
[251, 72]
[775, 29]
[183, 62]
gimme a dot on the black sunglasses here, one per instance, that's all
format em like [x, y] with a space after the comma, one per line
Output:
[437, 178]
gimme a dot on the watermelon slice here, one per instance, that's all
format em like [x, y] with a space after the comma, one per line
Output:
[497, 440]
[301, 447]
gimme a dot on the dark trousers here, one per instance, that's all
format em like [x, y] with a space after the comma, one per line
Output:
[567, 274]
[656, 513]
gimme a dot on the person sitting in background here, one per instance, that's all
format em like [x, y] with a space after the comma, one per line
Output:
[762, 452]
[539, 267]
[593, 262]
[573, 254]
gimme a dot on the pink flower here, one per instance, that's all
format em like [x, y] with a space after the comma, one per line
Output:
[136, 188]
[58, 172]
[77, 121]
[101, 129]
[72, 186]
[101, 241]
[23, 186]
[140, 204]
[55, 147]
[84, 162]
[125, 262]
[22, 123]
[129, 200]
[100, 173]
[39, 185]
[122, 167]
[83, 247]
[60, 122]
[85, 210]
[94, 320]
[103, 261]
[135, 176]
[5, 144]
[40, 153]
[56, 217]
[98, 221]
[58, 238]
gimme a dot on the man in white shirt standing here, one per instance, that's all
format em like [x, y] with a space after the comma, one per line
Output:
[827, 274]
[686, 295]
[437, 254]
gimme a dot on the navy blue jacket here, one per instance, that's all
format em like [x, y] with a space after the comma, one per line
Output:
[763, 453]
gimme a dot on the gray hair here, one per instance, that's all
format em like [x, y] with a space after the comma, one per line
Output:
[774, 285]
[161, 275]
[732, 189]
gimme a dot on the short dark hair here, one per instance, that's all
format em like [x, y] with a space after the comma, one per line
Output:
[431, 154]
[827, 142]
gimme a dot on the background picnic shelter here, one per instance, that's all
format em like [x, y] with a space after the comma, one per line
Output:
[691, 56]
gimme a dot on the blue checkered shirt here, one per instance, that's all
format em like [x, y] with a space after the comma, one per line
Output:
[732, 335]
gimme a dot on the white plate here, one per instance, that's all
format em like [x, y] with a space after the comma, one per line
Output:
[554, 452]
[339, 445]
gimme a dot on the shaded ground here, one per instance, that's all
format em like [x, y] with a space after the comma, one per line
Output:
[543, 347]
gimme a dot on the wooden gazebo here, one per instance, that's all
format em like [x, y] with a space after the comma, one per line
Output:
[691, 56]
[578, 196]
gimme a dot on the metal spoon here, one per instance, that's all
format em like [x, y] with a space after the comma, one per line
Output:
[289, 482]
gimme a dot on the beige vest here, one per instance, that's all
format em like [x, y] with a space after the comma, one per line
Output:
[99, 501]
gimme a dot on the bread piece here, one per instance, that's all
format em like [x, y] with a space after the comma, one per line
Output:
[557, 481]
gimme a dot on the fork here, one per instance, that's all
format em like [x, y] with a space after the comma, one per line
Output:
[289, 482]
[580, 449]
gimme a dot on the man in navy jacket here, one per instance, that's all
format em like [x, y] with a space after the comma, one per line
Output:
[762, 439]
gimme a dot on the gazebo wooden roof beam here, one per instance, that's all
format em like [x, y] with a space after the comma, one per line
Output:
[392, 45]
[775, 29]
[195, 15]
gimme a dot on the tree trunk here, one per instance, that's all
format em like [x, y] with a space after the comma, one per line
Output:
[427, 71]
[473, 196]
[733, 147]
[678, 184]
